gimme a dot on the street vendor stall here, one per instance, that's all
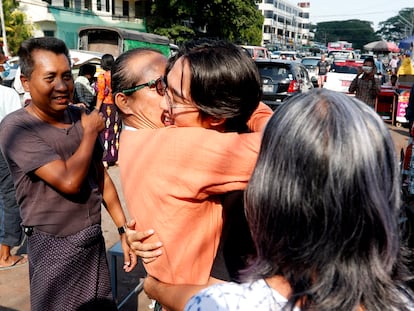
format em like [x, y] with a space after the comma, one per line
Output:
[385, 104]
[404, 86]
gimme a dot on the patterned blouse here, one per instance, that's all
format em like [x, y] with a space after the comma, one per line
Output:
[237, 297]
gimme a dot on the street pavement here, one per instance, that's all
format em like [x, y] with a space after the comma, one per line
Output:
[14, 283]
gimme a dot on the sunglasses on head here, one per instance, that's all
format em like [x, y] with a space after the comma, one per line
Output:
[159, 84]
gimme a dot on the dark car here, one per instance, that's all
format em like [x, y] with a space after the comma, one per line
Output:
[281, 79]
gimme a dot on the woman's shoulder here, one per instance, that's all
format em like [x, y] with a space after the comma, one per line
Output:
[238, 297]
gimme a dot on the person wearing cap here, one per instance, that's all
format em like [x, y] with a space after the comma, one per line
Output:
[406, 67]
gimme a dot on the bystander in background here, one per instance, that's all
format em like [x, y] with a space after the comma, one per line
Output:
[323, 68]
[365, 85]
[84, 93]
[10, 230]
[105, 104]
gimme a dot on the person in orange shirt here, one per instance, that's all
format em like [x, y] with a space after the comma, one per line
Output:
[173, 177]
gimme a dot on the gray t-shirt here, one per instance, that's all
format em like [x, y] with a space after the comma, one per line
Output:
[28, 144]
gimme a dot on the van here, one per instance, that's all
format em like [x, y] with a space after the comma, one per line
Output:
[115, 41]
[256, 52]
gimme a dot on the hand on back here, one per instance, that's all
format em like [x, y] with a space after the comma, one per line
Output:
[94, 122]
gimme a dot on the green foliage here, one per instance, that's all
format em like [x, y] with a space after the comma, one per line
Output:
[357, 32]
[181, 20]
[396, 28]
[17, 29]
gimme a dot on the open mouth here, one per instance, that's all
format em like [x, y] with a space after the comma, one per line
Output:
[166, 119]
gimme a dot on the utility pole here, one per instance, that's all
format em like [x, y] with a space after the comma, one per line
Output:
[410, 24]
[3, 30]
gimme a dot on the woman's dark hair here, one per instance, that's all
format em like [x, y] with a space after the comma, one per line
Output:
[27, 47]
[122, 77]
[323, 205]
[107, 61]
[225, 82]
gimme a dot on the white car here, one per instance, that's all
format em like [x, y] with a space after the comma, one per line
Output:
[341, 74]
[311, 64]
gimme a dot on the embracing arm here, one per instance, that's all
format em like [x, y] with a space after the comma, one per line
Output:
[173, 297]
[136, 241]
[67, 175]
[114, 208]
[259, 118]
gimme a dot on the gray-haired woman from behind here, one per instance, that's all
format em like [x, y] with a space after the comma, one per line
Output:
[322, 205]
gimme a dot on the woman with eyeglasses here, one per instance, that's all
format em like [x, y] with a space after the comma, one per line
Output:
[173, 178]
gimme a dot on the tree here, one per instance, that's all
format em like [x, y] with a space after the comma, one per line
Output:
[396, 28]
[181, 20]
[17, 29]
[355, 31]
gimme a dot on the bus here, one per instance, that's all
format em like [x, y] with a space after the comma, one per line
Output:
[339, 46]
[115, 41]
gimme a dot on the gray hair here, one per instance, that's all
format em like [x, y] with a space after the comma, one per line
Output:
[323, 204]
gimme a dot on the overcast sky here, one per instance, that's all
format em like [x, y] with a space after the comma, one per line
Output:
[370, 10]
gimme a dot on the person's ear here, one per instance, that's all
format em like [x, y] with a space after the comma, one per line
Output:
[216, 123]
[121, 101]
[25, 83]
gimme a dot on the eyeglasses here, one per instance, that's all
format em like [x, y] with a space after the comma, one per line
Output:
[172, 106]
[159, 84]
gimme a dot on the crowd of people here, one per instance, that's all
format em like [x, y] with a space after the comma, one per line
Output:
[232, 206]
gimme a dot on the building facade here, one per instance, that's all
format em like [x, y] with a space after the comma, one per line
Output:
[286, 25]
[62, 18]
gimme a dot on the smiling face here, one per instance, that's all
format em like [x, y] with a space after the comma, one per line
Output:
[179, 107]
[141, 107]
[50, 84]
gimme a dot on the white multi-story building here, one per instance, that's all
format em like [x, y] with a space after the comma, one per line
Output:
[62, 18]
[286, 25]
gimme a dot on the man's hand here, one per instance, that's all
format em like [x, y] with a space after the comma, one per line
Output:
[94, 122]
[147, 251]
[130, 259]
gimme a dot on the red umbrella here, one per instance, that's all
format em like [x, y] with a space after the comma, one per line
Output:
[381, 46]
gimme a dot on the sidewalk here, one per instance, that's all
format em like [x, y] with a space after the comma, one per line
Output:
[14, 283]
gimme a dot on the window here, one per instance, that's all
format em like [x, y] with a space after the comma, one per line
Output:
[48, 33]
[269, 1]
[98, 5]
[140, 9]
[66, 3]
[88, 4]
[107, 5]
[125, 8]
[268, 14]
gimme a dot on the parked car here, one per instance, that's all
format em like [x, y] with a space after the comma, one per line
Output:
[282, 79]
[341, 54]
[289, 55]
[257, 52]
[311, 62]
[341, 74]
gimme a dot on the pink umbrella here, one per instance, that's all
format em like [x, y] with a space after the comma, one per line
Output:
[381, 46]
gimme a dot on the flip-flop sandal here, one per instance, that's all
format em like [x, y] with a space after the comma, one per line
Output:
[19, 262]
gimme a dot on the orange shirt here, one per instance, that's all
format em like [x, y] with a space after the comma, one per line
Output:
[104, 88]
[169, 178]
